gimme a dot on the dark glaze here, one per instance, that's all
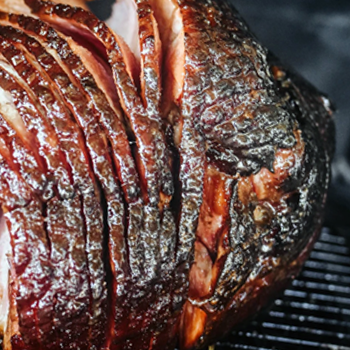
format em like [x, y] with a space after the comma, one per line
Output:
[149, 239]
[130, 100]
[12, 184]
[310, 178]
[151, 92]
[70, 281]
[31, 256]
[45, 139]
[14, 151]
[73, 146]
[275, 211]
[237, 109]
[252, 162]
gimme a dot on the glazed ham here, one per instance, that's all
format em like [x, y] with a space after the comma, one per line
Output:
[162, 176]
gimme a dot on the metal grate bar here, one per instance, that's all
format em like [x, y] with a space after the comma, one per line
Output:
[324, 266]
[326, 236]
[331, 288]
[313, 307]
[317, 296]
[339, 259]
[300, 318]
[308, 330]
[325, 276]
[279, 342]
[328, 247]
[239, 346]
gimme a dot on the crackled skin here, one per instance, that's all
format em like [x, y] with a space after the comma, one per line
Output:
[83, 179]
[173, 206]
[267, 137]
[31, 262]
[146, 255]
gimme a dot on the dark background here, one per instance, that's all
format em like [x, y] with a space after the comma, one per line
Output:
[313, 36]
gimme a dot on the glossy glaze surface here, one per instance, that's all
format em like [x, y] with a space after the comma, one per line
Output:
[169, 209]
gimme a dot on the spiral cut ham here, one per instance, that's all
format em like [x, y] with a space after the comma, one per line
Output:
[162, 176]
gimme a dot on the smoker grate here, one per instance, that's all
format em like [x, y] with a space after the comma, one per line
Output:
[314, 313]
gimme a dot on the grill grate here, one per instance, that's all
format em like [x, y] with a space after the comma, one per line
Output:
[313, 313]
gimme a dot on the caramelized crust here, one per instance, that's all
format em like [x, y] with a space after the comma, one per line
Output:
[22, 159]
[83, 178]
[70, 281]
[37, 126]
[31, 259]
[88, 25]
[167, 191]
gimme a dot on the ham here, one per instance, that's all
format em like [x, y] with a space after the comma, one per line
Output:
[162, 175]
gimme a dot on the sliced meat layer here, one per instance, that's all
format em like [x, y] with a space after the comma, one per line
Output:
[14, 6]
[151, 88]
[70, 282]
[14, 151]
[73, 146]
[171, 31]
[151, 92]
[16, 159]
[177, 104]
[84, 23]
[50, 331]
[124, 22]
[84, 181]
[33, 269]
[30, 261]
[19, 6]
[43, 135]
[150, 232]
[170, 27]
